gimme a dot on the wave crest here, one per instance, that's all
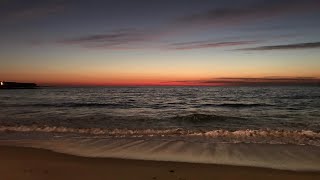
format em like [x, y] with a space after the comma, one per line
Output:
[268, 136]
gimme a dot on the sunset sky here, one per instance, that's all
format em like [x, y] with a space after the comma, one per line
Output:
[160, 42]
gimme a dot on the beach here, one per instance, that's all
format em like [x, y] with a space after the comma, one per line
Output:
[30, 163]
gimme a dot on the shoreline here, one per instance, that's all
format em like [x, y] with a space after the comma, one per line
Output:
[33, 163]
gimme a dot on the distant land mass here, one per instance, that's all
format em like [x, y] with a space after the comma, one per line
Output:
[17, 85]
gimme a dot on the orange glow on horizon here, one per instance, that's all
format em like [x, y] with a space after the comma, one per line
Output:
[146, 79]
[141, 83]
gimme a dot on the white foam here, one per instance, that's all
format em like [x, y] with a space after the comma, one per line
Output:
[301, 137]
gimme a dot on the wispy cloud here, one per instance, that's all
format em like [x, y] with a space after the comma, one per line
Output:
[261, 81]
[207, 44]
[27, 11]
[232, 14]
[118, 39]
[36, 12]
[255, 11]
[284, 47]
[132, 38]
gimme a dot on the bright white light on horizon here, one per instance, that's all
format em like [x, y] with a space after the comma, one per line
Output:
[1, 83]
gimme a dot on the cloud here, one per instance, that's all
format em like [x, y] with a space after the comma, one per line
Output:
[36, 12]
[118, 39]
[263, 81]
[207, 44]
[231, 14]
[255, 11]
[132, 38]
[16, 11]
[284, 47]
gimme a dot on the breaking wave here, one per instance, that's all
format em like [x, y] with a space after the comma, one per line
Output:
[266, 136]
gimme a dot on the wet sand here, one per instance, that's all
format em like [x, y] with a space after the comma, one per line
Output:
[29, 163]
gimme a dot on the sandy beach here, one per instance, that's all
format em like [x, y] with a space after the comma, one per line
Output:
[29, 163]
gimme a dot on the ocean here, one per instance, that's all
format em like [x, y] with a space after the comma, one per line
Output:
[252, 126]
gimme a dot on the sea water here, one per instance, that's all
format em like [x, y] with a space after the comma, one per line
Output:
[277, 127]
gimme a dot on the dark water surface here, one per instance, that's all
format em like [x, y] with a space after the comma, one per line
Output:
[246, 112]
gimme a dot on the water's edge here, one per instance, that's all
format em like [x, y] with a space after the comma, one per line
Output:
[274, 156]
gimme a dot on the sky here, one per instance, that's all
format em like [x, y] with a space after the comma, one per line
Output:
[160, 42]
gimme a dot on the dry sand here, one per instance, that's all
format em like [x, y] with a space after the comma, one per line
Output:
[28, 163]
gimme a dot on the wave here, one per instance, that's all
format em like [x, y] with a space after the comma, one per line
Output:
[267, 136]
[132, 105]
[236, 105]
[199, 118]
[93, 105]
